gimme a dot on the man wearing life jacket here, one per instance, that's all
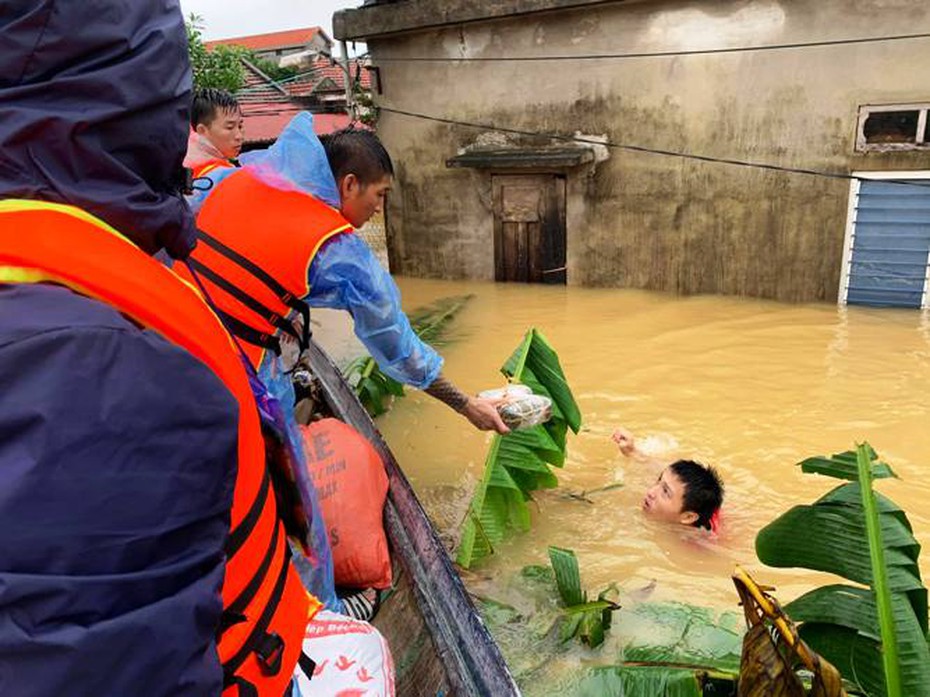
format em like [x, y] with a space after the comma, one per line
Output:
[276, 237]
[140, 548]
[217, 131]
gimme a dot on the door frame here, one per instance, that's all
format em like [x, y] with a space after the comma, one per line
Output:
[557, 178]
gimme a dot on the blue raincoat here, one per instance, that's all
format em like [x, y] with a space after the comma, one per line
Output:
[345, 274]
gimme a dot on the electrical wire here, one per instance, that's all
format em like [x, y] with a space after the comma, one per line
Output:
[644, 149]
[655, 54]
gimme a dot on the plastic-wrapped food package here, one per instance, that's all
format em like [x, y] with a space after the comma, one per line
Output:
[521, 409]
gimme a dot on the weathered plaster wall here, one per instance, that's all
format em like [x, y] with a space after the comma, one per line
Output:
[650, 221]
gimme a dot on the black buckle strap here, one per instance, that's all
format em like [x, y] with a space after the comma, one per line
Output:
[246, 689]
[257, 307]
[249, 334]
[283, 294]
[307, 665]
[259, 639]
[269, 648]
[233, 613]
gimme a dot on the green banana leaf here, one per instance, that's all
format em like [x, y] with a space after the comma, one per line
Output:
[527, 621]
[432, 323]
[875, 636]
[854, 609]
[567, 575]
[844, 465]
[519, 463]
[586, 620]
[627, 681]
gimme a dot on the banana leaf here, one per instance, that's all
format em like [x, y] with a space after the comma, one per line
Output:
[648, 639]
[844, 465]
[627, 681]
[876, 636]
[858, 653]
[519, 463]
[432, 322]
[567, 575]
[586, 620]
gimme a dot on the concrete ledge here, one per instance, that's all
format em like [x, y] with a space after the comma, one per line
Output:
[523, 158]
[373, 21]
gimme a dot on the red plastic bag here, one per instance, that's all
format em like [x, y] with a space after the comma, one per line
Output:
[351, 485]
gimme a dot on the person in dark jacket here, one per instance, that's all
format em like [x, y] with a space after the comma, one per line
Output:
[117, 447]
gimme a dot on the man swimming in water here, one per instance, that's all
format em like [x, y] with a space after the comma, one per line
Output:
[686, 492]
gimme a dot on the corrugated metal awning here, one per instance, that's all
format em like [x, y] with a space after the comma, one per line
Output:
[523, 158]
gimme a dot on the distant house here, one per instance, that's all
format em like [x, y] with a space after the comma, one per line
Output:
[319, 86]
[309, 41]
[550, 140]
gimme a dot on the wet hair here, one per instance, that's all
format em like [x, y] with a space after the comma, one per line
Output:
[359, 152]
[703, 490]
[209, 100]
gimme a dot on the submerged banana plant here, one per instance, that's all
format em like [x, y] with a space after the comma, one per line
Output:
[875, 633]
[588, 620]
[519, 463]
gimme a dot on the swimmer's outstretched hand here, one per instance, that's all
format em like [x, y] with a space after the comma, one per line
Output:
[625, 442]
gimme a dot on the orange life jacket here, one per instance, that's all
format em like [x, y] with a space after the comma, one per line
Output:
[256, 246]
[266, 609]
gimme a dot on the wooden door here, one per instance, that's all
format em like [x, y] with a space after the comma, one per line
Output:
[529, 228]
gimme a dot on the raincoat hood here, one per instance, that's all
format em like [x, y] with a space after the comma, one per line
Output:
[296, 161]
[94, 102]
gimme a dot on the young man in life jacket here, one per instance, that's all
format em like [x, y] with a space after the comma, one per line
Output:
[141, 552]
[277, 237]
[289, 213]
[685, 492]
[217, 131]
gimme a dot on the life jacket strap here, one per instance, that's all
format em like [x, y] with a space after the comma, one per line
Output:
[269, 315]
[234, 612]
[282, 293]
[249, 334]
[267, 647]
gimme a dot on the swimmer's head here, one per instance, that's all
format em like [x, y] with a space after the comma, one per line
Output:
[687, 493]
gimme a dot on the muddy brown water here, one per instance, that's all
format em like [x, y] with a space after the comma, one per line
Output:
[749, 386]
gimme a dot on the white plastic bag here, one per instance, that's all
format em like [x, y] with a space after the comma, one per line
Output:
[521, 409]
[351, 657]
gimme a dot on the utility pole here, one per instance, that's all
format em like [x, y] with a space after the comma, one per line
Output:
[350, 97]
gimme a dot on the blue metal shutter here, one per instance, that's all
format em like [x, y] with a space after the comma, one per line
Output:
[890, 244]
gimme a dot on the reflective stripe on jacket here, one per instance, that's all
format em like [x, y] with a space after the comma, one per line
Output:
[204, 168]
[265, 607]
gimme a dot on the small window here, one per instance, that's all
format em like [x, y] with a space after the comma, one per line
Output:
[893, 127]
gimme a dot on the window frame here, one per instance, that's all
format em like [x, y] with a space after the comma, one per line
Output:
[867, 110]
[851, 219]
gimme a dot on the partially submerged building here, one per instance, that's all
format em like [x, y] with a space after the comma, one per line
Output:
[593, 142]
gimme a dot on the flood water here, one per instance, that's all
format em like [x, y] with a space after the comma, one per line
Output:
[749, 386]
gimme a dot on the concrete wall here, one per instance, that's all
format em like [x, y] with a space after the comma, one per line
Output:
[642, 220]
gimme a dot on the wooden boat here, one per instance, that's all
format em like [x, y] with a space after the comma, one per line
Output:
[440, 645]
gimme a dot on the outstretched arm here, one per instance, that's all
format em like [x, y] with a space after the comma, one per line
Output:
[346, 275]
